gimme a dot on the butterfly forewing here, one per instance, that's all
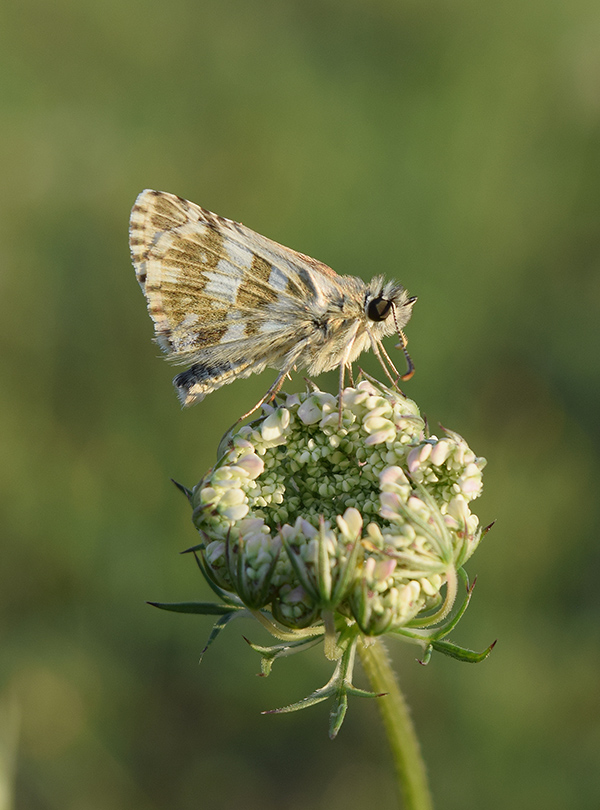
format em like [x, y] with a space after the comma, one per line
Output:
[210, 281]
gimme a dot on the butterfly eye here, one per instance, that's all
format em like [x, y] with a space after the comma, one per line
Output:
[378, 309]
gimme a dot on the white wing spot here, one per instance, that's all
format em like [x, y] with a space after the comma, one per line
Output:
[277, 279]
[235, 331]
[222, 283]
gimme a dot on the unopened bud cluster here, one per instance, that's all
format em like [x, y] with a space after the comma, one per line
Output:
[365, 517]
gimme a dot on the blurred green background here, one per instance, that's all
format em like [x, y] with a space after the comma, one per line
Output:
[452, 145]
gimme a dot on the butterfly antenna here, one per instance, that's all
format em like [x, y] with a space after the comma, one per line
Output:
[402, 345]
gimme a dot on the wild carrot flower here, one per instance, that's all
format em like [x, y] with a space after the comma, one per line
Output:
[339, 524]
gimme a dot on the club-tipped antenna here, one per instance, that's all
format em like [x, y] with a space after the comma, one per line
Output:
[402, 345]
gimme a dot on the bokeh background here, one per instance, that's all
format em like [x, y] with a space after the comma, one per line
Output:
[452, 145]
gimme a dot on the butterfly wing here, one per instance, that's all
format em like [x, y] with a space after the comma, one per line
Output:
[222, 297]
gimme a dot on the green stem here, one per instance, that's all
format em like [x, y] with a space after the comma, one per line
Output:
[410, 768]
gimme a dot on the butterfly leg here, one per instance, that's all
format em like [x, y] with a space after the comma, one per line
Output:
[289, 363]
[381, 354]
[270, 395]
[344, 364]
[341, 388]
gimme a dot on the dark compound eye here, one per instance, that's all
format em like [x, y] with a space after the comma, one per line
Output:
[378, 309]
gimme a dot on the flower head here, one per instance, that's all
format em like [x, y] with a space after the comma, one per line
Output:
[299, 494]
[339, 521]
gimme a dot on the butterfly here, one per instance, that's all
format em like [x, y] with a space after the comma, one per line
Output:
[229, 302]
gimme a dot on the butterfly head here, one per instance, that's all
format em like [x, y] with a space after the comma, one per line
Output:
[388, 308]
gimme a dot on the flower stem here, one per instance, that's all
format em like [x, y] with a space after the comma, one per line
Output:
[410, 768]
